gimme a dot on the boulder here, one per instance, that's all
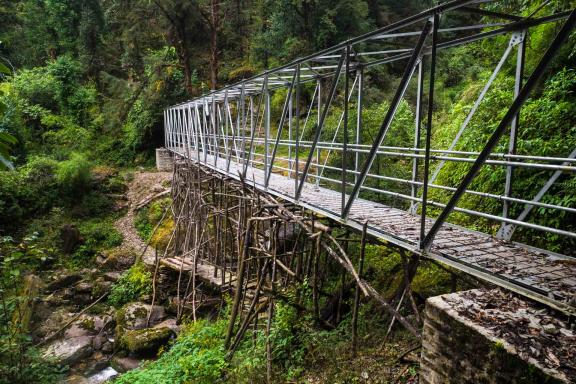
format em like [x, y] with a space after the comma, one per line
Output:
[169, 323]
[103, 376]
[76, 330]
[124, 364]
[83, 287]
[53, 322]
[71, 238]
[145, 341]
[69, 351]
[107, 346]
[61, 280]
[112, 276]
[119, 258]
[97, 363]
[97, 342]
[101, 286]
[134, 315]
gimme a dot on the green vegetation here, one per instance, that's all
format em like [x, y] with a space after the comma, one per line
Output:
[83, 85]
[148, 217]
[19, 361]
[133, 283]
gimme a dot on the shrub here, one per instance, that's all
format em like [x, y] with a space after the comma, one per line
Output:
[37, 87]
[147, 218]
[74, 176]
[31, 189]
[98, 235]
[135, 282]
[198, 356]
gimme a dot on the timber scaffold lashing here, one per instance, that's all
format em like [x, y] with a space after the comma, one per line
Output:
[255, 247]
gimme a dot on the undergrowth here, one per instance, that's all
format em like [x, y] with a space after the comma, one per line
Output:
[132, 284]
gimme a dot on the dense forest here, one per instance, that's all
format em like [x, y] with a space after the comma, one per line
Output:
[83, 86]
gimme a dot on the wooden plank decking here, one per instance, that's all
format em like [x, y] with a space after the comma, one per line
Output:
[542, 276]
[204, 272]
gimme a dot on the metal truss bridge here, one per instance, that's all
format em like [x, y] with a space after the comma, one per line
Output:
[299, 132]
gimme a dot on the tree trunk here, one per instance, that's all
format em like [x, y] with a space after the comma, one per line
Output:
[214, 27]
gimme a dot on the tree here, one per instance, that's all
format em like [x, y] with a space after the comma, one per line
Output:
[185, 32]
[6, 139]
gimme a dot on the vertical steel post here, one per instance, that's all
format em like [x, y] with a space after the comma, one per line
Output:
[290, 106]
[252, 133]
[168, 129]
[297, 134]
[165, 128]
[318, 151]
[417, 131]
[266, 126]
[186, 130]
[242, 127]
[195, 130]
[226, 128]
[429, 117]
[360, 75]
[179, 128]
[207, 144]
[200, 129]
[520, 58]
[345, 129]
[215, 129]
[221, 126]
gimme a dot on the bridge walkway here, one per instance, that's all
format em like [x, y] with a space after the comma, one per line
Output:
[534, 273]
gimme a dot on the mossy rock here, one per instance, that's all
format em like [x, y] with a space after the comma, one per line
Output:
[87, 323]
[134, 316]
[144, 341]
[119, 258]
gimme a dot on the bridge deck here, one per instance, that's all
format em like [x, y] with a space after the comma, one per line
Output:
[204, 272]
[531, 272]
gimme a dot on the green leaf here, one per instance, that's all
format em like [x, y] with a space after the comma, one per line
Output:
[4, 69]
[4, 163]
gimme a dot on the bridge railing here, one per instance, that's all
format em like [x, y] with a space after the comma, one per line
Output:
[310, 122]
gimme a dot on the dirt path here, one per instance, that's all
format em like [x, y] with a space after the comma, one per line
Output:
[143, 186]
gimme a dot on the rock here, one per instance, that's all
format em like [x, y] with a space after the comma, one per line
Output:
[71, 238]
[143, 341]
[97, 342]
[111, 276]
[103, 376]
[76, 330]
[53, 322]
[55, 300]
[76, 379]
[97, 363]
[83, 287]
[107, 346]
[134, 315]
[124, 364]
[169, 323]
[119, 258]
[101, 286]
[62, 280]
[82, 299]
[550, 329]
[69, 351]
[100, 260]
[67, 293]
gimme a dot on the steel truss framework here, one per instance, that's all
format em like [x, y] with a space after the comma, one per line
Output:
[238, 131]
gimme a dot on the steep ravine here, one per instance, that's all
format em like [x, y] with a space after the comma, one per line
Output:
[73, 321]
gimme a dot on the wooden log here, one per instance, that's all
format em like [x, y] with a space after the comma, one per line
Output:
[23, 314]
